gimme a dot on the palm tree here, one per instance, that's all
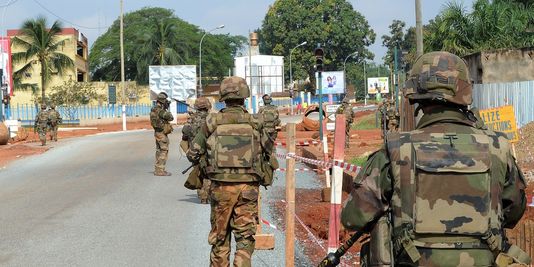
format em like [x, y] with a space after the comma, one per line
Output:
[40, 46]
[162, 46]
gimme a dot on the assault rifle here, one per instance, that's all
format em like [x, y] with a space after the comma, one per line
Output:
[188, 168]
[183, 102]
[333, 258]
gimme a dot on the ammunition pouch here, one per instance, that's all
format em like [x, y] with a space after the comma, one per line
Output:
[380, 244]
[514, 256]
[269, 166]
[167, 128]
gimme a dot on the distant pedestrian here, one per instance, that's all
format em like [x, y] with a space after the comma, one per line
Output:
[54, 119]
[270, 116]
[346, 108]
[160, 119]
[41, 124]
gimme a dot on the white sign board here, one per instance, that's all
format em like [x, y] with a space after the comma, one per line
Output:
[178, 81]
[333, 82]
[330, 126]
[332, 108]
[377, 85]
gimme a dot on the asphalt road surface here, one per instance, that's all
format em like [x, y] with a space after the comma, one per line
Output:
[93, 201]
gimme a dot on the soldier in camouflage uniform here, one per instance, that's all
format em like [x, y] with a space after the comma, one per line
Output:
[54, 119]
[189, 131]
[160, 119]
[234, 143]
[41, 124]
[346, 109]
[442, 194]
[270, 116]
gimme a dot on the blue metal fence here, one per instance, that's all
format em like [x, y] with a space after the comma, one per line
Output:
[26, 112]
[518, 94]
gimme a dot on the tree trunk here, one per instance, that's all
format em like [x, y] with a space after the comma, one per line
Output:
[43, 73]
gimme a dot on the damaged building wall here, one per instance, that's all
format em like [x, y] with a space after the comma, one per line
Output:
[510, 65]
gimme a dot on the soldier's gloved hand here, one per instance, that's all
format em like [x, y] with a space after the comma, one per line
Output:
[193, 156]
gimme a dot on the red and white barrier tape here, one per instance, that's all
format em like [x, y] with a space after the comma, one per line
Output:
[344, 165]
[299, 143]
[268, 224]
[297, 170]
[310, 234]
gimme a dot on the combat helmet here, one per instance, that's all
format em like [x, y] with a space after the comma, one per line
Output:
[202, 103]
[345, 100]
[233, 88]
[43, 106]
[439, 76]
[52, 106]
[267, 99]
[162, 97]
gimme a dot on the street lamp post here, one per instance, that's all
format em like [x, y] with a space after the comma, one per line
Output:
[345, 72]
[291, 72]
[200, 59]
[122, 70]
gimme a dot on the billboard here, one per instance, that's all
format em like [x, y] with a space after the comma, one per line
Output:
[5, 63]
[333, 82]
[178, 81]
[377, 85]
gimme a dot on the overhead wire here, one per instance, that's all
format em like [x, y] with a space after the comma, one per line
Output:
[10, 2]
[65, 20]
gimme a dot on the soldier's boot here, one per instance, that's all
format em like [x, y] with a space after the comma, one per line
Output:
[162, 173]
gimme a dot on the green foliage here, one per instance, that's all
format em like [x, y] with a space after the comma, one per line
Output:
[403, 39]
[41, 46]
[359, 161]
[333, 23]
[155, 36]
[494, 24]
[72, 94]
[368, 122]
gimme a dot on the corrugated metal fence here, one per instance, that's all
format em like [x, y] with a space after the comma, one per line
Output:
[518, 94]
[26, 112]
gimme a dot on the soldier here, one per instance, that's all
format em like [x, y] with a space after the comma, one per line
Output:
[189, 131]
[235, 145]
[160, 119]
[270, 116]
[440, 195]
[54, 119]
[392, 116]
[346, 109]
[41, 124]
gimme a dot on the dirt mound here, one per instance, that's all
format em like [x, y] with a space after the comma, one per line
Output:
[525, 147]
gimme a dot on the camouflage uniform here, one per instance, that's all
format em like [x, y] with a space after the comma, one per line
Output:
[160, 118]
[190, 130]
[54, 120]
[41, 124]
[440, 195]
[231, 140]
[346, 109]
[270, 116]
[392, 116]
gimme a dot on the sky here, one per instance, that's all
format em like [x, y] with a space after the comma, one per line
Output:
[93, 17]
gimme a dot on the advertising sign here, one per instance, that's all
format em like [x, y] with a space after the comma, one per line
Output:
[501, 119]
[333, 82]
[377, 85]
[179, 81]
[5, 63]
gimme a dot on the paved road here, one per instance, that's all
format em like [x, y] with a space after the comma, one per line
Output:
[93, 201]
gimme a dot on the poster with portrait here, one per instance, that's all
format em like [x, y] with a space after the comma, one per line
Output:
[332, 82]
[5, 64]
[377, 85]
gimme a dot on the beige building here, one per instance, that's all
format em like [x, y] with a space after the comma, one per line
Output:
[501, 66]
[75, 48]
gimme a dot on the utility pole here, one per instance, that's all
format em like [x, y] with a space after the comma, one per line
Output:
[122, 71]
[418, 27]
[396, 78]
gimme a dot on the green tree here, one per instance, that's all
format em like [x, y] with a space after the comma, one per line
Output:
[72, 94]
[178, 40]
[333, 23]
[160, 47]
[497, 24]
[403, 39]
[42, 46]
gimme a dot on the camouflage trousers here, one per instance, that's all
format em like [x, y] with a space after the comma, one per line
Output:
[204, 192]
[53, 132]
[234, 209]
[162, 151]
[42, 135]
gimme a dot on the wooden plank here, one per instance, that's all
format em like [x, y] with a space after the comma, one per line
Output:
[290, 198]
